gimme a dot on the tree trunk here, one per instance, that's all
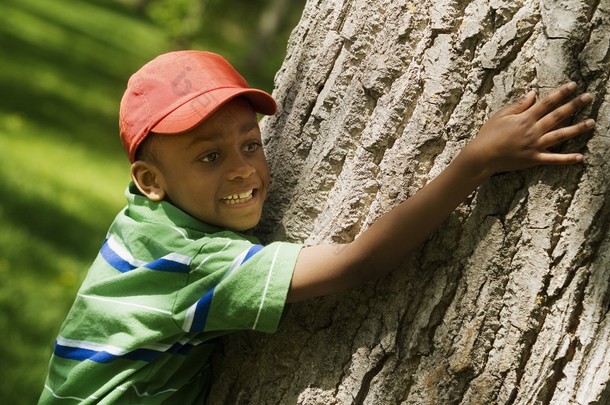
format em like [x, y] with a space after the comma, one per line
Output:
[508, 302]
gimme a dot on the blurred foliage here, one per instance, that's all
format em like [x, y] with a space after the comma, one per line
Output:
[65, 64]
[252, 35]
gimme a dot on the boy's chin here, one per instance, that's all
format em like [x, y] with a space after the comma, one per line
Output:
[243, 226]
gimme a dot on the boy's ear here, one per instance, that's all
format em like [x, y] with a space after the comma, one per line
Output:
[148, 179]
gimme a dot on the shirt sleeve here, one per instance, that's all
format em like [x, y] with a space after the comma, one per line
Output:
[237, 285]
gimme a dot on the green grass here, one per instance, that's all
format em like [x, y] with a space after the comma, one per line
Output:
[62, 170]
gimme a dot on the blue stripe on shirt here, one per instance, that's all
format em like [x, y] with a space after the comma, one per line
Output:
[101, 356]
[253, 250]
[122, 265]
[80, 354]
[163, 264]
[114, 259]
[201, 312]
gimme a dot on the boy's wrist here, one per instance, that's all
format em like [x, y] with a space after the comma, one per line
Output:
[472, 166]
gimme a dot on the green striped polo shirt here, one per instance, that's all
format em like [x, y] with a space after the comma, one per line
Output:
[162, 287]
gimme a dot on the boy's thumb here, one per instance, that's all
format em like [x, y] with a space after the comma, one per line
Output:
[522, 103]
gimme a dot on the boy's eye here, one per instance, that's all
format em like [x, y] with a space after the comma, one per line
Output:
[210, 157]
[252, 147]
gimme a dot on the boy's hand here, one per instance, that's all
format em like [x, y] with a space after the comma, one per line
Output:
[519, 135]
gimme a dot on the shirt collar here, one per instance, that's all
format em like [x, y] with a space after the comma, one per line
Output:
[141, 208]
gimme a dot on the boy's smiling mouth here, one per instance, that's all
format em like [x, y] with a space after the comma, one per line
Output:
[239, 198]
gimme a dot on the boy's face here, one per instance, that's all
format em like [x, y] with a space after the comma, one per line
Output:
[217, 172]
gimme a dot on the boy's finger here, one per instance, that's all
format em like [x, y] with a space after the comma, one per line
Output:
[521, 104]
[552, 100]
[563, 134]
[549, 158]
[560, 114]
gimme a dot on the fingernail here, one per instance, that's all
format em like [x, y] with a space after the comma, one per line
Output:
[571, 86]
[590, 123]
[586, 97]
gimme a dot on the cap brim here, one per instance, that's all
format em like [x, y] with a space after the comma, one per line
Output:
[191, 113]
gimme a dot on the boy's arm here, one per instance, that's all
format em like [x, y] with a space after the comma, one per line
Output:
[516, 137]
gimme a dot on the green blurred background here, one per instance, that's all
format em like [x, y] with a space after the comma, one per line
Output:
[65, 64]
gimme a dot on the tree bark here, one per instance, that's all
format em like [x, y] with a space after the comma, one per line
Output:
[508, 302]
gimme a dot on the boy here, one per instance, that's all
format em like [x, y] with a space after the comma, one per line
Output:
[175, 271]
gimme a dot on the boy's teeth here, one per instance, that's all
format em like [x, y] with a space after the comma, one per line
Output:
[241, 195]
[238, 198]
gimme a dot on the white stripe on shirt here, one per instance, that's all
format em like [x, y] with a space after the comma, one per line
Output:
[178, 258]
[260, 309]
[123, 253]
[114, 350]
[213, 254]
[98, 347]
[125, 303]
[182, 233]
[60, 397]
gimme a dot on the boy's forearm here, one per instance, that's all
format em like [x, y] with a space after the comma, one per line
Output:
[388, 240]
[385, 244]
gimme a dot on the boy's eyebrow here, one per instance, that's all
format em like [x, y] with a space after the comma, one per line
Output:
[207, 137]
[214, 135]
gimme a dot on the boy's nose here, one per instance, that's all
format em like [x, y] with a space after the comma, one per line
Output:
[240, 168]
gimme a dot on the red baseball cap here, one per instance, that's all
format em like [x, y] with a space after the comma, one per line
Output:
[176, 91]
